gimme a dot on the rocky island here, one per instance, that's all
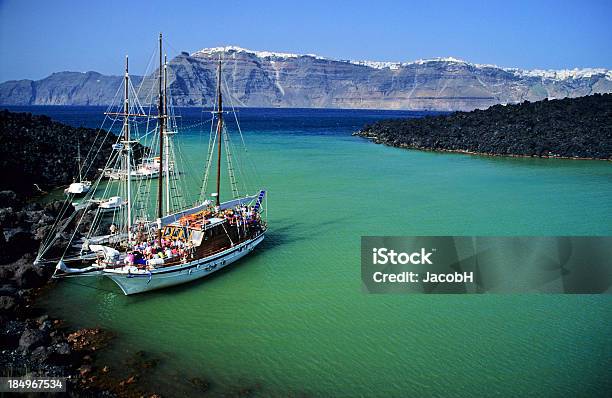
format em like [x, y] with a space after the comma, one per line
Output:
[575, 128]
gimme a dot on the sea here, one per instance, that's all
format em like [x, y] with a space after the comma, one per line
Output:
[292, 319]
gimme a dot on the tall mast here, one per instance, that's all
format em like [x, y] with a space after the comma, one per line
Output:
[166, 138]
[79, 160]
[219, 132]
[162, 120]
[128, 149]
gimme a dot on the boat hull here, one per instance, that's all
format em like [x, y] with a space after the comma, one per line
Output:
[160, 278]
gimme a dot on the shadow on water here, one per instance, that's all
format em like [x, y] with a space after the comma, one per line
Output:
[293, 230]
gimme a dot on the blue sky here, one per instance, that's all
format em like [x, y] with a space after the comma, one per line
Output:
[41, 37]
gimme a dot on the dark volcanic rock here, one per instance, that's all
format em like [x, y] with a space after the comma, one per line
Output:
[568, 128]
[7, 290]
[40, 354]
[32, 338]
[11, 332]
[37, 150]
[32, 343]
[7, 304]
[9, 199]
[28, 275]
[62, 349]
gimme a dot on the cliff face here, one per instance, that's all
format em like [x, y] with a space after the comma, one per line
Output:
[63, 88]
[569, 128]
[264, 79]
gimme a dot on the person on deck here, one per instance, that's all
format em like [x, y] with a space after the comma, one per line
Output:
[129, 259]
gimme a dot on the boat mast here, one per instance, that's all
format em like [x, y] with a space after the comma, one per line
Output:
[127, 145]
[219, 132]
[162, 119]
[128, 149]
[79, 160]
[166, 138]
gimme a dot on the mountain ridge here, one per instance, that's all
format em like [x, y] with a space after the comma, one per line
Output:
[277, 79]
[558, 74]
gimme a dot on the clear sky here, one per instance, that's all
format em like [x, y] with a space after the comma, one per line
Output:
[41, 37]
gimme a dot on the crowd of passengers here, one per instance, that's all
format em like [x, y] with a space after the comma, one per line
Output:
[145, 252]
[148, 252]
[241, 215]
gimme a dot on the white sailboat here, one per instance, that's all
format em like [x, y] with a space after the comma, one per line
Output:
[147, 169]
[80, 187]
[112, 204]
[176, 245]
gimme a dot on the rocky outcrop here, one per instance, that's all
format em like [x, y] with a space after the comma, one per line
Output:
[266, 79]
[37, 153]
[30, 341]
[568, 128]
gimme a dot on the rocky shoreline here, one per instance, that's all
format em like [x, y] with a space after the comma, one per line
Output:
[576, 128]
[33, 343]
[38, 154]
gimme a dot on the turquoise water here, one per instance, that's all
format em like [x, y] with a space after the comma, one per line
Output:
[292, 320]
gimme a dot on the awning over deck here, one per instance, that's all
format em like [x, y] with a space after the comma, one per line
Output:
[236, 202]
[169, 219]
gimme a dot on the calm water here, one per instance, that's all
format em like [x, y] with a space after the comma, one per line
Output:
[292, 320]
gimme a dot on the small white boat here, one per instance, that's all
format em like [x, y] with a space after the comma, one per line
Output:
[78, 188]
[111, 204]
[140, 173]
[147, 169]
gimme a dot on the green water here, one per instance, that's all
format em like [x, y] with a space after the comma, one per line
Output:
[292, 320]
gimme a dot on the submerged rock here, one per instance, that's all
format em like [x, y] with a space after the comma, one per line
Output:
[141, 360]
[89, 339]
[202, 385]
